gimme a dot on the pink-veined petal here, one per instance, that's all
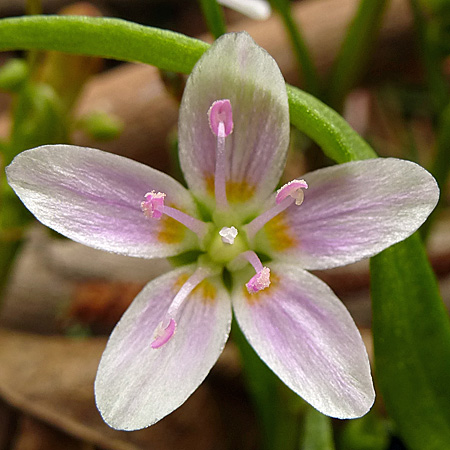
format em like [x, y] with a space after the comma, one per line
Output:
[137, 385]
[303, 332]
[94, 197]
[235, 68]
[351, 211]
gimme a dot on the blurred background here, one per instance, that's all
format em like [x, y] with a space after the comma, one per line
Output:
[60, 300]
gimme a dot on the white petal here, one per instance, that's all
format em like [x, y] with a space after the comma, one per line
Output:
[352, 211]
[137, 385]
[255, 9]
[94, 197]
[237, 69]
[303, 332]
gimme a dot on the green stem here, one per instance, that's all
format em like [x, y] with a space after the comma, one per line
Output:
[13, 219]
[33, 7]
[311, 80]
[104, 37]
[431, 59]
[441, 165]
[276, 406]
[317, 431]
[212, 12]
[355, 51]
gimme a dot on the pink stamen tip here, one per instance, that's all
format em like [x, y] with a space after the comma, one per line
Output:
[259, 281]
[221, 118]
[292, 189]
[153, 205]
[163, 334]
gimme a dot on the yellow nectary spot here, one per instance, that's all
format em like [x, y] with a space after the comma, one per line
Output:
[237, 191]
[205, 289]
[170, 230]
[264, 293]
[279, 233]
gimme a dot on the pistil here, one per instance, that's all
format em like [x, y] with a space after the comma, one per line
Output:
[153, 207]
[221, 122]
[168, 325]
[288, 194]
[228, 235]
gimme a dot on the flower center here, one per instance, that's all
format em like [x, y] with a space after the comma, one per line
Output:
[225, 245]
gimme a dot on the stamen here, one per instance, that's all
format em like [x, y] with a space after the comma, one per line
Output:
[228, 235]
[286, 196]
[221, 122]
[167, 327]
[261, 280]
[292, 189]
[220, 113]
[153, 207]
[163, 334]
[153, 204]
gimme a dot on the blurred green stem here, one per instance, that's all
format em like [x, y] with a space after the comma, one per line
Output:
[431, 58]
[355, 51]
[276, 406]
[13, 218]
[440, 167]
[317, 431]
[306, 64]
[33, 7]
[212, 12]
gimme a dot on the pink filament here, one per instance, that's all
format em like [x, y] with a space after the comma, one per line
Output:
[166, 328]
[286, 196]
[221, 122]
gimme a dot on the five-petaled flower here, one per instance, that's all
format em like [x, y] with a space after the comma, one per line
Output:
[233, 138]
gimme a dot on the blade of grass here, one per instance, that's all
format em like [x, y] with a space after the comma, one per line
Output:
[212, 12]
[308, 70]
[411, 334]
[104, 37]
[432, 58]
[317, 431]
[355, 51]
[327, 128]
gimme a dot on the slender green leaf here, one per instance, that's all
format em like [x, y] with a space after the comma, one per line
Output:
[308, 70]
[119, 39]
[369, 432]
[213, 15]
[317, 431]
[105, 37]
[355, 50]
[327, 128]
[412, 345]
[276, 406]
[431, 55]
[441, 164]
